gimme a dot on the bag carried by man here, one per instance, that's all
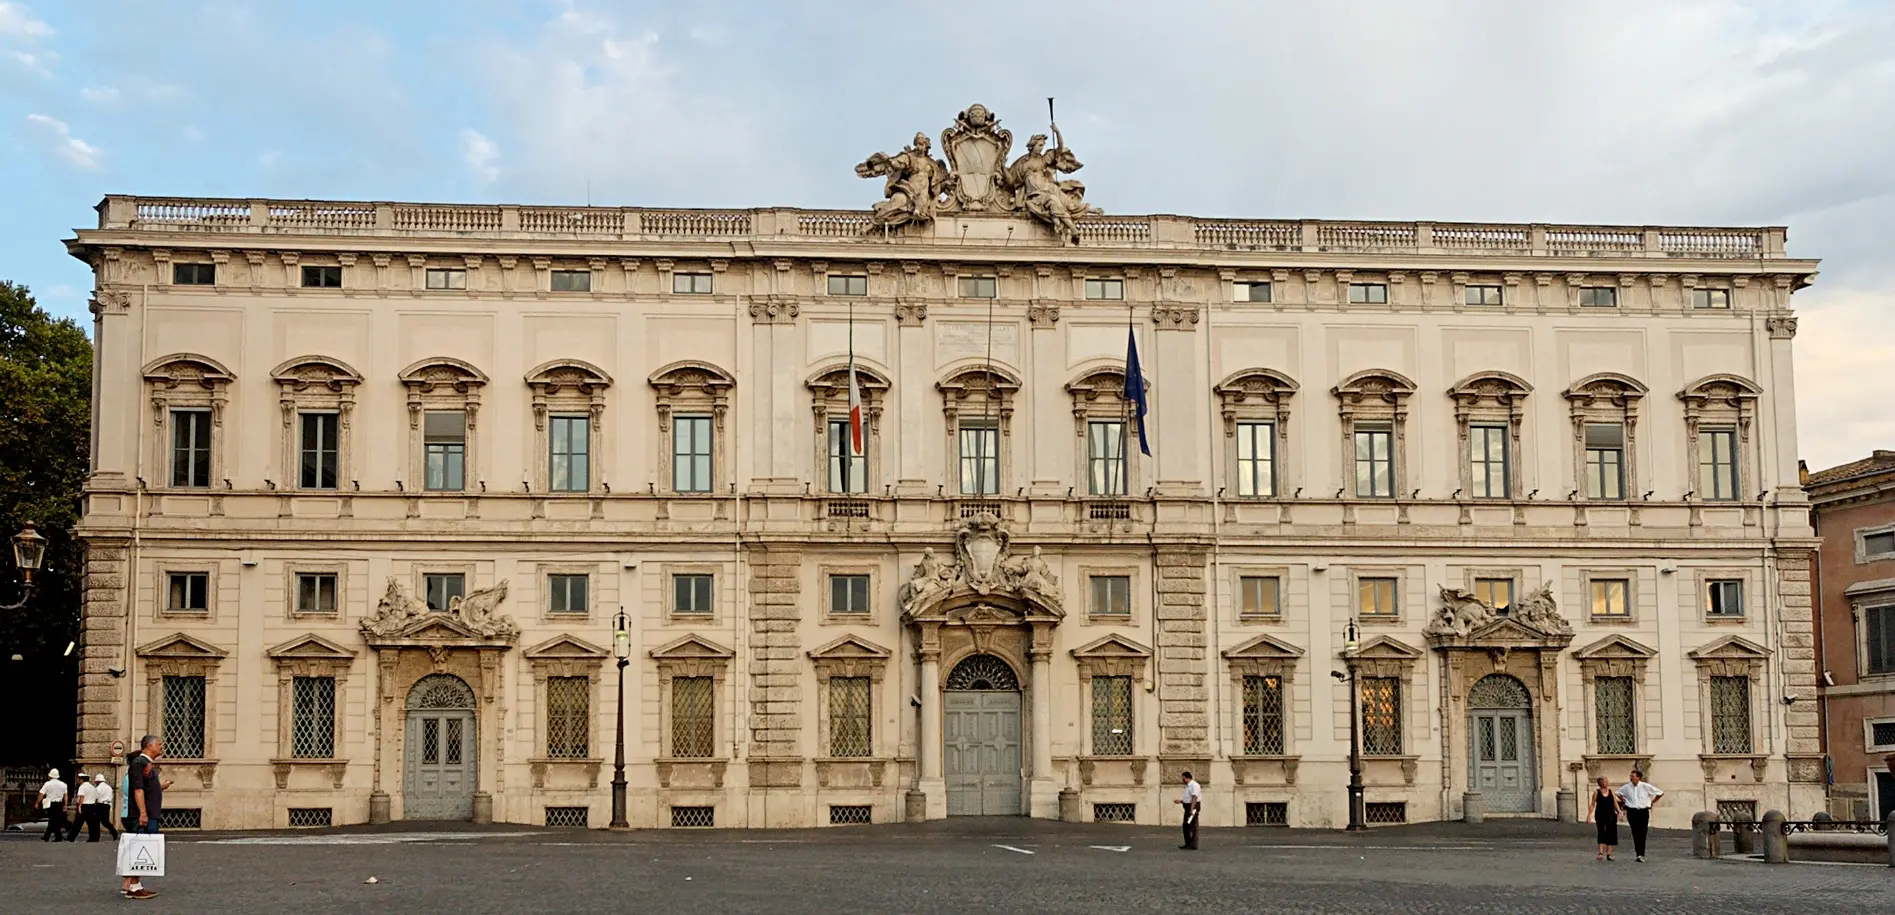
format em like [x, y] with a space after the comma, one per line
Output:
[140, 855]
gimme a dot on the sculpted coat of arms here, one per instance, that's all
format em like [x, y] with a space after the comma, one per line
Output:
[1461, 613]
[983, 565]
[399, 613]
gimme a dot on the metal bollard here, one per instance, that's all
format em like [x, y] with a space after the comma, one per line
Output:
[1704, 842]
[1776, 844]
[1744, 835]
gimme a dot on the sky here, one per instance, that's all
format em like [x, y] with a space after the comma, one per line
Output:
[1692, 112]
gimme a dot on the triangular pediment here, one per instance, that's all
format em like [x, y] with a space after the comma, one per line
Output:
[1730, 647]
[182, 647]
[849, 647]
[438, 626]
[1264, 648]
[1383, 646]
[1112, 646]
[566, 647]
[1612, 647]
[1505, 630]
[311, 647]
[691, 647]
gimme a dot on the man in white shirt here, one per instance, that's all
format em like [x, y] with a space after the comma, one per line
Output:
[1192, 800]
[102, 805]
[1640, 796]
[82, 809]
[52, 799]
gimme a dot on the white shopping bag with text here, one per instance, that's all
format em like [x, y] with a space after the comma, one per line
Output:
[140, 855]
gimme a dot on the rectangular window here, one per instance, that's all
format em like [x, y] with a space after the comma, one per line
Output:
[692, 718]
[1251, 292]
[1598, 297]
[1724, 598]
[1881, 735]
[1495, 592]
[194, 274]
[1381, 703]
[691, 283]
[191, 448]
[1878, 625]
[316, 592]
[691, 594]
[1111, 595]
[1710, 298]
[980, 458]
[444, 443]
[1717, 465]
[1730, 714]
[850, 717]
[1605, 461]
[1374, 463]
[570, 441]
[566, 593]
[320, 450]
[184, 717]
[568, 717]
[322, 277]
[848, 471]
[1483, 295]
[1263, 716]
[1368, 294]
[446, 278]
[1259, 595]
[1611, 598]
[571, 281]
[1612, 706]
[1105, 458]
[979, 287]
[691, 454]
[1112, 716]
[849, 594]
[1105, 289]
[443, 588]
[1488, 451]
[1375, 598]
[312, 718]
[1879, 545]
[848, 285]
[1256, 459]
[187, 592]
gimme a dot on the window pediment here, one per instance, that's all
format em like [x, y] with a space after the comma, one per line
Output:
[980, 384]
[187, 370]
[1264, 648]
[316, 373]
[850, 648]
[1263, 385]
[1614, 647]
[442, 375]
[568, 376]
[1374, 387]
[311, 647]
[1384, 647]
[1726, 390]
[832, 383]
[1606, 389]
[1111, 647]
[1729, 648]
[1503, 390]
[692, 377]
[1105, 382]
[180, 647]
[565, 648]
[691, 648]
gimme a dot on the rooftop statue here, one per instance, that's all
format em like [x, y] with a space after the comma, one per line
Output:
[916, 181]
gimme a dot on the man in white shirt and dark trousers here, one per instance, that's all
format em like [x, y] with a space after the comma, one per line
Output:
[102, 807]
[1640, 796]
[52, 799]
[1191, 800]
[81, 813]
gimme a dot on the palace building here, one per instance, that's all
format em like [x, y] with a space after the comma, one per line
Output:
[371, 482]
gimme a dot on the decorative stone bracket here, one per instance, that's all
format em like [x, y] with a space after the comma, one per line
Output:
[833, 771]
[1089, 767]
[669, 771]
[1245, 769]
[542, 766]
[1759, 764]
[281, 768]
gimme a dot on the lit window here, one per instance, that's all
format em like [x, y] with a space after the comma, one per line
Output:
[571, 281]
[1495, 592]
[1375, 597]
[1381, 716]
[848, 285]
[1610, 598]
[322, 277]
[1111, 595]
[1368, 294]
[1257, 595]
[1483, 295]
[447, 278]
[1374, 463]
[691, 283]
[1105, 289]
[1598, 297]
[979, 287]
[1263, 716]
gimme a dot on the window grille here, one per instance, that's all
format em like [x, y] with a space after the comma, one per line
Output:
[313, 735]
[310, 817]
[1385, 813]
[701, 817]
[1737, 811]
[171, 818]
[568, 717]
[1499, 691]
[850, 717]
[1112, 716]
[1256, 459]
[1115, 813]
[850, 814]
[568, 817]
[846, 508]
[1730, 714]
[184, 717]
[983, 672]
[1612, 699]
[1882, 733]
[1263, 716]
[1381, 716]
[692, 726]
[1266, 813]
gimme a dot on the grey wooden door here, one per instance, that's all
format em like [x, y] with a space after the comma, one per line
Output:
[1503, 759]
[441, 752]
[981, 734]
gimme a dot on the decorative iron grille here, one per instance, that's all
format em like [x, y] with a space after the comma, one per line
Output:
[699, 817]
[1498, 691]
[1486, 737]
[181, 817]
[311, 817]
[184, 717]
[849, 717]
[1737, 811]
[1381, 716]
[453, 741]
[1266, 813]
[1112, 716]
[1612, 704]
[568, 817]
[1115, 813]
[1882, 733]
[1263, 716]
[692, 725]
[441, 691]
[850, 814]
[431, 740]
[983, 672]
[1509, 739]
[313, 721]
[1730, 714]
[568, 717]
[1385, 813]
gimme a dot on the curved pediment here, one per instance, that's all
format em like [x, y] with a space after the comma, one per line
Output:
[316, 371]
[438, 372]
[1493, 385]
[187, 368]
[1106, 379]
[979, 379]
[1370, 385]
[1606, 387]
[693, 377]
[832, 382]
[1267, 385]
[576, 375]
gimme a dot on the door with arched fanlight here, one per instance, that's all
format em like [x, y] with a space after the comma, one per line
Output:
[440, 750]
[980, 736]
[1500, 733]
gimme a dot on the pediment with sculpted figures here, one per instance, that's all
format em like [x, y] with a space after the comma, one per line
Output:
[986, 572]
[400, 618]
[1466, 621]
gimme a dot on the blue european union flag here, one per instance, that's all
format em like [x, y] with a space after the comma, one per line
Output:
[1135, 387]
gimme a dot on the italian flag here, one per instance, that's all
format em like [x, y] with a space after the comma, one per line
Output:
[855, 411]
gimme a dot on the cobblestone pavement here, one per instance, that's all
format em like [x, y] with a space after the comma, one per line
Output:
[951, 866]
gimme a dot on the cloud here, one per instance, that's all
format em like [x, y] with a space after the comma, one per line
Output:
[480, 154]
[74, 150]
[99, 95]
[17, 25]
[1843, 351]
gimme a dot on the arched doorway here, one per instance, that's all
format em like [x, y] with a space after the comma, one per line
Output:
[1500, 760]
[980, 736]
[440, 750]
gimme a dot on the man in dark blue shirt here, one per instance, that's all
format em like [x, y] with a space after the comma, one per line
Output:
[146, 785]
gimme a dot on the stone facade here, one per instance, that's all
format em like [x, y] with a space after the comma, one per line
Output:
[347, 453]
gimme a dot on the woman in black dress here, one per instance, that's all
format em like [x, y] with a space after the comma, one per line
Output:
[1605, 812]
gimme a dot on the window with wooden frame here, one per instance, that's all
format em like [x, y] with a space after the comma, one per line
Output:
[1107, 433]
[443, 396]
[1489, 411]
[848, 472]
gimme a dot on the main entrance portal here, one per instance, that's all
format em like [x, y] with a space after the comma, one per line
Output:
[440, 748]
[1500, 726]
[981, 738]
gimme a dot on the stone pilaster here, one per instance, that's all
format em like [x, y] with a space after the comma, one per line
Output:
[103, 609]
[1183, 693]
[776, 668]
[1799, 651]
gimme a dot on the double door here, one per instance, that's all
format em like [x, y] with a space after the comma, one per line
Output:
[441, 752]
[980, 731]
[1502, 759]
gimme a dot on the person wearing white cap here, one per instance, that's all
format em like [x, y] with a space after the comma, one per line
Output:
[102, 805]
[85, 810]
[52, 799]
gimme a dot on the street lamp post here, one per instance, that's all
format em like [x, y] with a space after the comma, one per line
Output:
[1358, 813]
[621, 649]
[29, 550]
